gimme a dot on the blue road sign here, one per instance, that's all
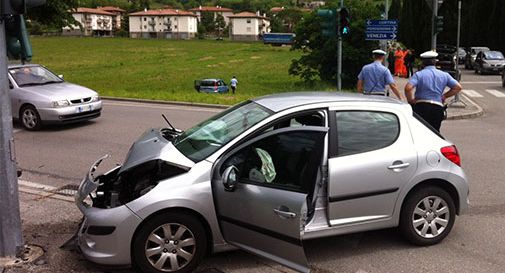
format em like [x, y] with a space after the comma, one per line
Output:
[381, 29]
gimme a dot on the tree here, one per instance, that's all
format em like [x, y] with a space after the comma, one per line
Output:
[286, 20]
[207, 21]
[54, 14]
[320, 58]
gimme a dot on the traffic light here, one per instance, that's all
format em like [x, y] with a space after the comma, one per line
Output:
[16, 35]
[16, 38]
[438, 24]
[328, 22]
[345, 21]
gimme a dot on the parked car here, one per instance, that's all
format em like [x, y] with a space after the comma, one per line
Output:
[503, 78]
[40, 97]
[447, 60]
[211, 86]
[489, 62]
[472, 54]
[461, 55]
[267, 174]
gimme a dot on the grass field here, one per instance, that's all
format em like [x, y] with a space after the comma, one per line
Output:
[166, 69]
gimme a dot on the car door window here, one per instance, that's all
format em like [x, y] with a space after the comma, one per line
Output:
[288, 161]
[364, 131]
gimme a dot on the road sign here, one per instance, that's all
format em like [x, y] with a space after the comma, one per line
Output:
[381, 29]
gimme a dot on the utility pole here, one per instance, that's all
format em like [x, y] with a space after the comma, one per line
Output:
[11, 239]
[385, 43]
[434, 7]
[339, 53]
[458, 75]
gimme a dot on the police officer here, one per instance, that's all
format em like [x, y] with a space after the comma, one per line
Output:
[428, 100]
[374, 77]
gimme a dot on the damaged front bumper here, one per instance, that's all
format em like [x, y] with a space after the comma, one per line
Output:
[104, 235]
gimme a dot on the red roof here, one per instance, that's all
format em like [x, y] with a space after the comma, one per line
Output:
[160, 12]
[246, 14]
[212, 9]
[92, 11]
[112, 9]
[277, 9]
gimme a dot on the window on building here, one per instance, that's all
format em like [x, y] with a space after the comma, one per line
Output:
[249, 29]
[248, 21]
[145, 19]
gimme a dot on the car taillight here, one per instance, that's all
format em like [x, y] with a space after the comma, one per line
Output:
[451, 153]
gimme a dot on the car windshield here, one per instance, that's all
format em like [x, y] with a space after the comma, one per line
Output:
[207, 137]
[33, 75]
[494, 55]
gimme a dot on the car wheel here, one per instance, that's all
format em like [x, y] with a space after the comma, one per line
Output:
[427, 216]
[169, 242]
[30, 118]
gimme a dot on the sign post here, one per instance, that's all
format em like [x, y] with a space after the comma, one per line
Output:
[381, 30]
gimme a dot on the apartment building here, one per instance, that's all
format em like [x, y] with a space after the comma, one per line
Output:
[163, 23]
[93, 22]
[248, 26]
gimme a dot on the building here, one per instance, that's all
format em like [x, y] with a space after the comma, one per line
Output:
[248, 26]
[117, 17]
[225, 12]
[93, 22]
[163, 23]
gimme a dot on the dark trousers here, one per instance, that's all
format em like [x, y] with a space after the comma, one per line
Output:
[410, 70]
[431, 113]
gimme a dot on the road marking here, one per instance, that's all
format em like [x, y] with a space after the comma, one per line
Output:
[472, 93]
[44, 191]
[479, 82]
[495, 93]
[16, 131]
[148, 105]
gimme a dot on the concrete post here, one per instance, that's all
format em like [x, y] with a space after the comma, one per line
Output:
[11, 239]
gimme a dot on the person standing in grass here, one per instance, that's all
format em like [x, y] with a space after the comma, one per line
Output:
[233, 84]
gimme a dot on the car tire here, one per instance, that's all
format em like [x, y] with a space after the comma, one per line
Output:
[155, 251]
[427, 216]
[30, 118]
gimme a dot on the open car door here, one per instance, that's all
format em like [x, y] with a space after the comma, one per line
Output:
[262, 190]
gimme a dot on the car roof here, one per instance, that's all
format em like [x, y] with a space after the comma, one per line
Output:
[282, 101]
[22, 65]
[212, 80]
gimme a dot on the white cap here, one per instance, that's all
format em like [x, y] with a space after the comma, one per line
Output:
[429, 55]
[379, 52]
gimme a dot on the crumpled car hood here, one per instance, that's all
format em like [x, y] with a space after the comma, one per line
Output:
[151, 146]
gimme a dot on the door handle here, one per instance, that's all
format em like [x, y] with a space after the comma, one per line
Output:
[398, 165]
[285, 214]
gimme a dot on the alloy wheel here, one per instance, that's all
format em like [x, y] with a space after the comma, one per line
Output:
[30, 118]
[430, 217]
[170, 247]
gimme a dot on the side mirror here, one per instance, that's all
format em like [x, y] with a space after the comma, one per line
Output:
[230, 178]
[60, 76]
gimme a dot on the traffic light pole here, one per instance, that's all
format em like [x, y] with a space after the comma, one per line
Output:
[433, 25]
[11, 239]
[339, 53]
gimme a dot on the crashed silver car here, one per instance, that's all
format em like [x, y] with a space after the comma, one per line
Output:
[267, 174]
[40, 97]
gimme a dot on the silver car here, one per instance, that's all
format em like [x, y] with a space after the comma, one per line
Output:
[39, 97]
[267, 174]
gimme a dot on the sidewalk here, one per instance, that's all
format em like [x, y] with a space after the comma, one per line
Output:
[455, 110]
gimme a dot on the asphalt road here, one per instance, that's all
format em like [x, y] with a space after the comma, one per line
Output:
[62, 155]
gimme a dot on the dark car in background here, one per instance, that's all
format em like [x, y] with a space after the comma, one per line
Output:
[211, 86]
[489, 62]
[472, 54]
[447, 60]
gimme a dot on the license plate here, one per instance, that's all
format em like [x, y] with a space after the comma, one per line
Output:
[84, 108]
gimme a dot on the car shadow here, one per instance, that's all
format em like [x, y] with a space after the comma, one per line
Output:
[57, 127]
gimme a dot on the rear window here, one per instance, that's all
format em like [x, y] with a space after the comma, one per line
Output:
[425, 123]
[364, 131]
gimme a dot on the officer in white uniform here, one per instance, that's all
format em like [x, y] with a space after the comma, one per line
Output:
[374, 77]
[430, 83]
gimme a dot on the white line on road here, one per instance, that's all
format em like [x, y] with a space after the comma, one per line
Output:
[148, 105]
[495, 93]
[472, 93]
[16, 131]
[479, 82]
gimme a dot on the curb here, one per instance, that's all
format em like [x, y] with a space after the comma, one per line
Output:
[179, 103]
[477, 113]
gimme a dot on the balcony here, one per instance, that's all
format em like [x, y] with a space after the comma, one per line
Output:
[152, 23]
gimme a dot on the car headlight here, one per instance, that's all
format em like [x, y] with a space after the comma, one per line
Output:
[61, 103]
[95, 98]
